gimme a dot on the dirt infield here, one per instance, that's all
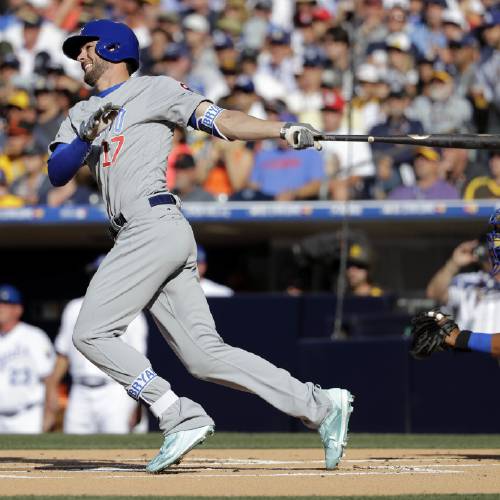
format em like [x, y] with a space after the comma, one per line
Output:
[250, 472]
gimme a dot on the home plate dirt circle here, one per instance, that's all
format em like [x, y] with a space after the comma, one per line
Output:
[250, 472]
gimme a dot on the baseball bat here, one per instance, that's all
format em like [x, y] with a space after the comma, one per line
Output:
[459, 141]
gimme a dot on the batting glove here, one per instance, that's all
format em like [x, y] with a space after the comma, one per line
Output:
[98, 121]
[300, 135]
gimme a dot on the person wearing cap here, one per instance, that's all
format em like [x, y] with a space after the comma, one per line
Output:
[358, 272]
[90, 387]
[8, 200]
[186, 185]
[204, 65]
[486, 187]
[346, 164]
[429, 185]
[49, 115]
[153, 53]
[486, 85]
[275, 77]
[401, 72]
[454, 25]
[257, 26]
[393, 161]
[210, 288]
[306, 101]
[464, 54]
[34, 185]
[442, 111]
[26, 360]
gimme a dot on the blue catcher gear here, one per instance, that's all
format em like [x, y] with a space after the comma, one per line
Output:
[116, 42]
[494, 242]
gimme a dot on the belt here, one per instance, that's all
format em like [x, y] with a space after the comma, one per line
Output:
[159, 199]
[119, 220]
[91, 382]
[13, 413]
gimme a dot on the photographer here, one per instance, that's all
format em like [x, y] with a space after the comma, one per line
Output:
[472, 297]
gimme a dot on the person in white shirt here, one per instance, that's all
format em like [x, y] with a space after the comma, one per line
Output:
[473, 298]
[26, 359]
[347, 164]
[96, 403]
[210, 288]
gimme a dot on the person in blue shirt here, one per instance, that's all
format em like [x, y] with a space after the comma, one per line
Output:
[287, 174]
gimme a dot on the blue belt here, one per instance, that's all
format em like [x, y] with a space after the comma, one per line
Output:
[158, 199]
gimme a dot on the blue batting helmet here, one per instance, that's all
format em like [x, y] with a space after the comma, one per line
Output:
[494, 241]
[116, 42]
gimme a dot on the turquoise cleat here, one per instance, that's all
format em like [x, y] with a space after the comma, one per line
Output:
[333, 430]
[176, 445]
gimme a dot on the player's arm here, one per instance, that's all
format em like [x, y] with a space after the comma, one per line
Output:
[52, 391]
[235, 125]
[463, 255]
[67, 158]
[466, 340]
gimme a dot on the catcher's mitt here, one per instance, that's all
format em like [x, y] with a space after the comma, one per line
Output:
[428, 331]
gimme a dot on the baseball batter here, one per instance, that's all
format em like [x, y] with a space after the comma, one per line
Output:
[96, 404]
[124, 134]
[26, 359]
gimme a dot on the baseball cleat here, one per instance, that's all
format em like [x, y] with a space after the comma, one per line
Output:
[176, 445]
[333, 430]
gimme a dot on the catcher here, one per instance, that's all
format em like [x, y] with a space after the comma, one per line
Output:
[434, 331]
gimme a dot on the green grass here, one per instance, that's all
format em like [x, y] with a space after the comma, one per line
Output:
[223, 440]
[397, 497]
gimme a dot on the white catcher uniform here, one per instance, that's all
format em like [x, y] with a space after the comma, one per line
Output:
[97, 404]
[26, 358]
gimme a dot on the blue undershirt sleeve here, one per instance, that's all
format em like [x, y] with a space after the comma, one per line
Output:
[65, 161]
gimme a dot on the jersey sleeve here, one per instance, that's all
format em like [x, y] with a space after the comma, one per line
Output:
[171, 100]
[43, 353]
[66, 134]
[63, 341]
[137, 334]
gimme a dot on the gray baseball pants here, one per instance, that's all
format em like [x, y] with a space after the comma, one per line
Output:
[153, 266]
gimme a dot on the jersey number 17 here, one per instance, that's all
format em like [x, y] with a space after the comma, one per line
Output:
[118, 141]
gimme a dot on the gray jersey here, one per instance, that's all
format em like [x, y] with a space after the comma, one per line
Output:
[128, 159]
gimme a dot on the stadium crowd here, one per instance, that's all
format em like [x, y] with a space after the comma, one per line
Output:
[346, 66]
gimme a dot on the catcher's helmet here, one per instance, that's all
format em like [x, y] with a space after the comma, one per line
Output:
[116, 42]
[494, 241]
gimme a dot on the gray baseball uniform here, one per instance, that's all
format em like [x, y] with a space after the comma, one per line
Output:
[153, 265]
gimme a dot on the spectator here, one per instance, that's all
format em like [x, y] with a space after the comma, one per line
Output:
[454, 25]
[275, 77]
[429, 185]
[8, 200]
[463, 57]
[358, 273]
[185, 180]
[472, 297]
[78, 191]
[49, 116]
[393, 162]
[210, 288]
[486, 187]
[443, 111]
[18, 137]
[90, 387]
[34, 185]
[428, 36]
[27, 359]
[288, 174]
[366, 104]
[346, 163]
[256, 27]
[458, 167]
[487, 84]
[401, 73]
[153, 53]
[336, 44]
[306, 101]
